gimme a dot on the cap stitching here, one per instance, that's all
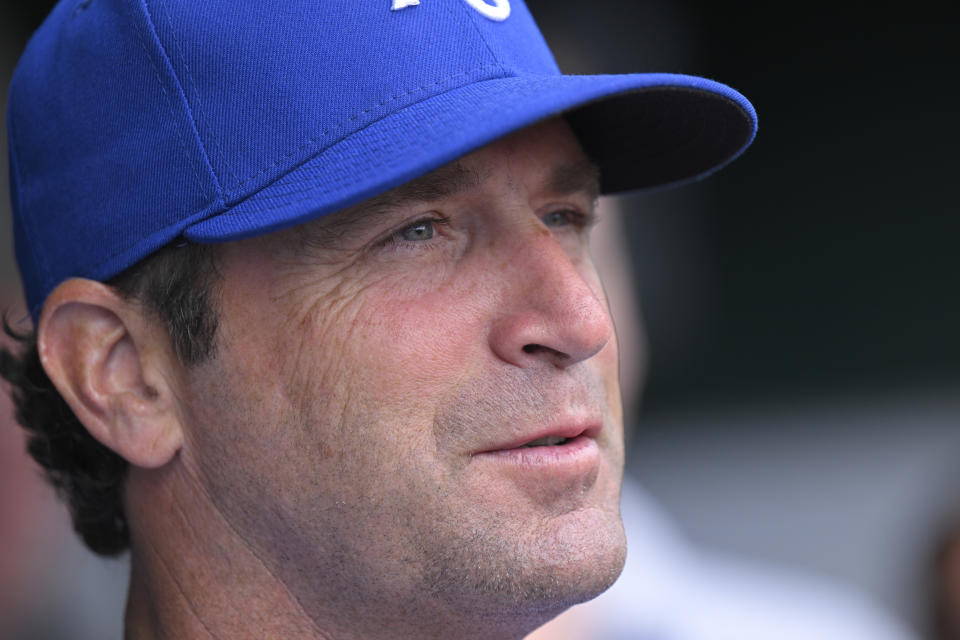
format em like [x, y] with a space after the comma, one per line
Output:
[472, 17]
[183, 144]
[48, 277]
[311, 194]
[193, 84]
[354, 117]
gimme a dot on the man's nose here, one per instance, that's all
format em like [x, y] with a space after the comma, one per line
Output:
[550, 312]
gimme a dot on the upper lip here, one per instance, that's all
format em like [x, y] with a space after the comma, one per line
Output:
[565, 430]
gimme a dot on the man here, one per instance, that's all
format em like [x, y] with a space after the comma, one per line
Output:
[311, 286]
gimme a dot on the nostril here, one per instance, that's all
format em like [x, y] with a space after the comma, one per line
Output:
[534, 349]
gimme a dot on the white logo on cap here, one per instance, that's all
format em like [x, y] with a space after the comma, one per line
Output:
[498, 10]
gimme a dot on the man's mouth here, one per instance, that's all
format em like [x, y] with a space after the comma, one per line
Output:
[564, 454]
[547, 441]
[556, 438]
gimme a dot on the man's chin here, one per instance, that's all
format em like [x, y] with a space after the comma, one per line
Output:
[565, 562]
[583, 561]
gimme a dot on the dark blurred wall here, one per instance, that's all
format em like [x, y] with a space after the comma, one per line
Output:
[826, 257]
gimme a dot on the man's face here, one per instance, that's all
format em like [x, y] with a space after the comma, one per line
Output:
[379, 371]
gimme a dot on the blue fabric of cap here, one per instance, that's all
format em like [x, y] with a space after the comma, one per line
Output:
[136, 123]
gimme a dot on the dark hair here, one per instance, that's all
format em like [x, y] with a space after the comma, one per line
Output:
[177, 286]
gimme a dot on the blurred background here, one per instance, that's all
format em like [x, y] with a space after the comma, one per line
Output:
[803, 398]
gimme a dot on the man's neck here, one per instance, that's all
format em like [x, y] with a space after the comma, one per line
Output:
[192, 576]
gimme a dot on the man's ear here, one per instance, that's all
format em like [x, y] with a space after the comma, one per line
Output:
[113, 365]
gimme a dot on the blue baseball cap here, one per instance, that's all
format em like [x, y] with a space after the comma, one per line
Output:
[136, 123]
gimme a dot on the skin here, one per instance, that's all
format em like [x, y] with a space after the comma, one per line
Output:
[342, 468]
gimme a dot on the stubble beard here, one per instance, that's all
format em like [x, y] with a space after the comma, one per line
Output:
[496, 576]
[493, 562]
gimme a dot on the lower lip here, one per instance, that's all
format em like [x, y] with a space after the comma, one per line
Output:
[581, 451]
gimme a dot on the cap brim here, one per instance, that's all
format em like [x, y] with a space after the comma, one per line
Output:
[643, 130]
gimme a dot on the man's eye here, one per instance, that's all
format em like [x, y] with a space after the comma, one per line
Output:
[560, 218]
[418, 231]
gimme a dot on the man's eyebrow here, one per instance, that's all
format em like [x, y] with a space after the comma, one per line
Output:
[450, 179]
[440, 183]
[575, 177]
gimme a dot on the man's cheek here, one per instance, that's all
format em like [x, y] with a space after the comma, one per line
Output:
[431, 340]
